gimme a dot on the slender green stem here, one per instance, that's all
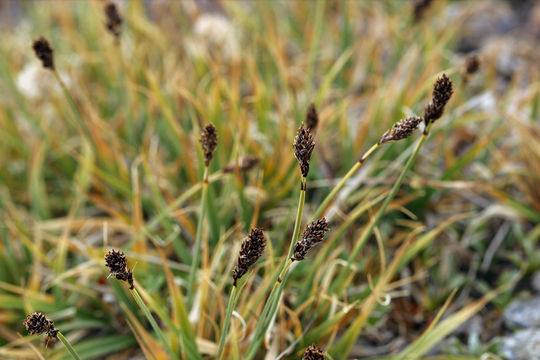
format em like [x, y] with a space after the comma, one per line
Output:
[198, 239]
[340, 283]
[152, 321]
[324, 204]
[269, 309]
[230, 307]
[68, 346]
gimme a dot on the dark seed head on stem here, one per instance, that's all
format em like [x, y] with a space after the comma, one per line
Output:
[401, 130]
[312, 117]
[114, 20]
[313, 352]
[442, 91]
[303, 148]
[420, 8]
[44, 52]
[472, 64]
[209, 141]
[37, 323]
[116, 261]
[313, 234]
[250, 251]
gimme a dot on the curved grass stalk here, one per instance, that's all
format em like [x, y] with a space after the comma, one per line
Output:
[230, 307]
[68, 345]
[152, 321]
[340, 283]
[324, 204]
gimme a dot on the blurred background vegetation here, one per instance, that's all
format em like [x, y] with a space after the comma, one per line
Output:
[117, 164]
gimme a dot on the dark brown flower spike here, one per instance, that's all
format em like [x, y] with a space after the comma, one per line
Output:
[472, 64]
[38, 324]
[401, 130]
[44, 52]
[313, 234]
[209, 141]
[114, 20]
[312, 117]
[420, 8]
[313, 352]
[117, 263]
[303, 148]
[250, 251]
[245, 163]
[442, 91]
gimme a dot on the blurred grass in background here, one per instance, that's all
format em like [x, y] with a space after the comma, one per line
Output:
[466, 218]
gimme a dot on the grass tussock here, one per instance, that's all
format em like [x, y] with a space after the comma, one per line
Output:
[169, 132]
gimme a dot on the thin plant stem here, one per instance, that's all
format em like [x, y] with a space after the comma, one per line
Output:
[152, 321]
[268, 312]
[340, 283]
[68, 346]
[198, 239]
[230, 307]
[324, 204]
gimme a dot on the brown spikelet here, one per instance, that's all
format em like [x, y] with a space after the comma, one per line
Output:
[303, 148]
[472, 64]
[420, 8]
[37, 323]
[313, 234]
[117, 263]
[250, 251]
[114, 20]
[209, 141]
[442, 91]
[312, 117]
[313, 352]
[401, 130]
[44, 52]
[245, 163]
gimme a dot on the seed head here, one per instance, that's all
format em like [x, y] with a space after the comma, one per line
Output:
[303, 148]
[420, 8]
[114, 20]
[44, 52]
[313, 234]
[400, 130]
[116, 261]
[472, 64]
[250, 251]
[209, 141]
[313, 352]
[442, 91]
[244, 164]
[126, 275]
[37, 323]
[312, 117]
